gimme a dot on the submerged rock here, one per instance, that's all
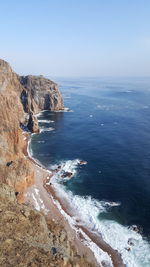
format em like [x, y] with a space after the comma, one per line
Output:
[136, 228]
[83, 162]
[67, 174]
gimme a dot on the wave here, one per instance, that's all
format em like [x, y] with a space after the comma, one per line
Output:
[46, 129]
[46, 121]
[100, 255]
[135, 250]
[38, 115]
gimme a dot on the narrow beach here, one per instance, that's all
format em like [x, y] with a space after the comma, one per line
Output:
[43, 197]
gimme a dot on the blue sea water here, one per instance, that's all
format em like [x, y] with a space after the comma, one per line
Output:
[108, 125]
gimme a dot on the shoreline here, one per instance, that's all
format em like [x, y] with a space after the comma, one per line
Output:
[43, 197]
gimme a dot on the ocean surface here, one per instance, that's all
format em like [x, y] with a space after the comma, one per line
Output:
[107, 124]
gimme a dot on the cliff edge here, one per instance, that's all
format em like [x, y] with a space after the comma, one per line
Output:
[20, 98]
[27, 237]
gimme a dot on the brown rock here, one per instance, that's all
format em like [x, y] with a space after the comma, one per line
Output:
[40, 94]
[33, 124]
[26, 236]
[66, 174]
[83, 162]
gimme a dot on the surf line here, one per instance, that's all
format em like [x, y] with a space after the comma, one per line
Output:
[87, 237]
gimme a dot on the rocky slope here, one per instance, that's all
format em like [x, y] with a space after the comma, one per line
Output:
[27, 238]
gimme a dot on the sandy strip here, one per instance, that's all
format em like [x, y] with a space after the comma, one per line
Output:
[43, 197]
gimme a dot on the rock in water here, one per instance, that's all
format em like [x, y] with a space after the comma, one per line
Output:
[33, 123]
[67, 174]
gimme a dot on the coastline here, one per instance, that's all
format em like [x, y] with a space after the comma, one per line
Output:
[43, 197]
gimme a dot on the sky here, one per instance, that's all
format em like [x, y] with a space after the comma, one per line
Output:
[90, 38]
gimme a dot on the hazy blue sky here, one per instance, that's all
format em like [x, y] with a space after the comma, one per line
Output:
[76, 37]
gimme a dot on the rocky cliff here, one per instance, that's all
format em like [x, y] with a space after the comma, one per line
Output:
[40, 94]
[20, 99]
[27, 238]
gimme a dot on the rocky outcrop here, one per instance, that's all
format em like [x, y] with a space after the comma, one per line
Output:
[32, 123]
[20, 97]
[27, 238]
[40, 94]
[12, 139]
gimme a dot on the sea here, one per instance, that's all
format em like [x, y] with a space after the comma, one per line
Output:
[106, 122]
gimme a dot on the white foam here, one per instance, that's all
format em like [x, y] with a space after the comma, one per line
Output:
[50, 129]
[87, 209]
[46, 121]
[100, 255]
[29, 149]
[66, 166]
[38, 115]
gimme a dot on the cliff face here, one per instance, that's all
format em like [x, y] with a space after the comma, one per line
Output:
[40, 94]
[27, 238]
[20, 97]
[14, 167]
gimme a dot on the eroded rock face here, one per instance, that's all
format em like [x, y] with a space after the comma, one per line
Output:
[27, 238]
[20, 97]
[12, 140]
[40, 94]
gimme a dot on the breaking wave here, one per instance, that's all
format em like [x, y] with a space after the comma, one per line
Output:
[135, 250]
[46, 121]
[46, 129]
